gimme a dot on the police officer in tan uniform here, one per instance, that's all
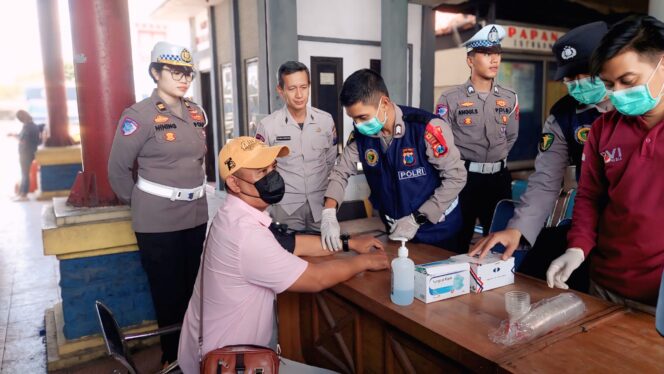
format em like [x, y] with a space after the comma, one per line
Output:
[485, 121]
[165, 134]
[311, 137]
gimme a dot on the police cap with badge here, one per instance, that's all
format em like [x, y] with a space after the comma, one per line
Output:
[171, 54]
[487, 40]
[573, 50]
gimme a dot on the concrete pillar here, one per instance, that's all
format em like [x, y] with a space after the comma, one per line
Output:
[281, 25]
[54, 74]
[104, 86]
[427, 58]
[393, 51]
[656, 9]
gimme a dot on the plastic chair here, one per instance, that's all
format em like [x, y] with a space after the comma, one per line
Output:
[501, 215]
[518, 188]
[116, 341]
[568, 206]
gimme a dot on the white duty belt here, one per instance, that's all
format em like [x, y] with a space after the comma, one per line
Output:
[487, 167]
[172, 193]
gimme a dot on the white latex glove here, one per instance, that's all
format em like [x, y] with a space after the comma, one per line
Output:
[404, 227]
[330, 230]
[562, 267]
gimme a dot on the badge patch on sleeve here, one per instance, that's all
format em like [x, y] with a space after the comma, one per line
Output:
[260, 137]
[441, 110]
[434, 136]
[129, 126]
[546, 142]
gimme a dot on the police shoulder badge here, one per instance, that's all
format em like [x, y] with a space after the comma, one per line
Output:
[434, 136]
[546, 142]
[371, 156]
[129, 126]
[441, 110]
[351, 138]
[408, 155]
[581, 134]
[161, 106]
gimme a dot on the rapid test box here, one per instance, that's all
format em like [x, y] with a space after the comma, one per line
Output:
[441, 280]
[488, 273]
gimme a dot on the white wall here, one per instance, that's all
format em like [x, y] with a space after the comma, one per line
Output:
[333, 19]
[450, 69]
[359, 20]
[346, 19]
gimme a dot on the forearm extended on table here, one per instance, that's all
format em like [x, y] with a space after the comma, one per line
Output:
[320, 276]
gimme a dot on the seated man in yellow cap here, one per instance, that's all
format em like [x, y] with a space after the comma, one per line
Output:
[243, 266]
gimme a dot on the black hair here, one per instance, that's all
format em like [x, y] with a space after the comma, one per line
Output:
[365, 85]
[641, 34]
[159, 66]
[290, 67]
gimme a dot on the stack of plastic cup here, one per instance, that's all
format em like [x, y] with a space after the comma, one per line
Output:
[517, 303]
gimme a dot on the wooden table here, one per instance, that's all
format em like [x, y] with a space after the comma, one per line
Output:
[354, 327]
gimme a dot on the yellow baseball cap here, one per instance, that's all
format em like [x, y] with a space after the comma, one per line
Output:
[247, 152]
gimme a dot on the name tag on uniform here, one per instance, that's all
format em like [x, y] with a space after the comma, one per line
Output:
[414, 173]
[283, 138]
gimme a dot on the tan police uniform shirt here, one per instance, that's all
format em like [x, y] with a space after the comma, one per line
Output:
[450, 166]
[313, 150]
[484, 129]
[170, 150]
[537, 202]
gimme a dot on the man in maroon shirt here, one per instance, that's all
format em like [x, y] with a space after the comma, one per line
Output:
[619, 205]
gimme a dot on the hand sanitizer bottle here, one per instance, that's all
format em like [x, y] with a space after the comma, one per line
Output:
[403, 277]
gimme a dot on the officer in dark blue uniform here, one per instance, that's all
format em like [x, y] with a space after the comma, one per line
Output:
[564, 134]
[412, 166]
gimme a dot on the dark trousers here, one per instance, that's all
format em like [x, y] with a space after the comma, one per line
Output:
[171, 261]
[478, 199]
[25, 159]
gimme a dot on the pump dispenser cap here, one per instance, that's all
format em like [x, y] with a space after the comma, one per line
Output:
[403, 251]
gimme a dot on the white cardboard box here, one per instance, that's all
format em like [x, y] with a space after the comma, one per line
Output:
[488, 273]
[441, 280]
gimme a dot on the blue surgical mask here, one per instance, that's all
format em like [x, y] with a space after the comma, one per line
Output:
[587, 90]
[637, 100]
[372, 126]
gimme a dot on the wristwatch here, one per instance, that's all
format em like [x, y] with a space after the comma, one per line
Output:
[420, 218]
[344, 240]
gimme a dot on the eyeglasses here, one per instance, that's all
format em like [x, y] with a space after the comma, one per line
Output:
[178, 75]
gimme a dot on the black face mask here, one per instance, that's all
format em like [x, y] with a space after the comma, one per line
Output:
[271, 187]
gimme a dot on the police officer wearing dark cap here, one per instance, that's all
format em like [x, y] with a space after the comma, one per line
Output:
[564, 134]
[484, 117]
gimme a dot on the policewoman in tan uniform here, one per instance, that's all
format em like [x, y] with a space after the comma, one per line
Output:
[485, 121]
[165, 134]
[311, 137]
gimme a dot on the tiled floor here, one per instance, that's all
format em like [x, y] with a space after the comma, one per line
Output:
[29, 286]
